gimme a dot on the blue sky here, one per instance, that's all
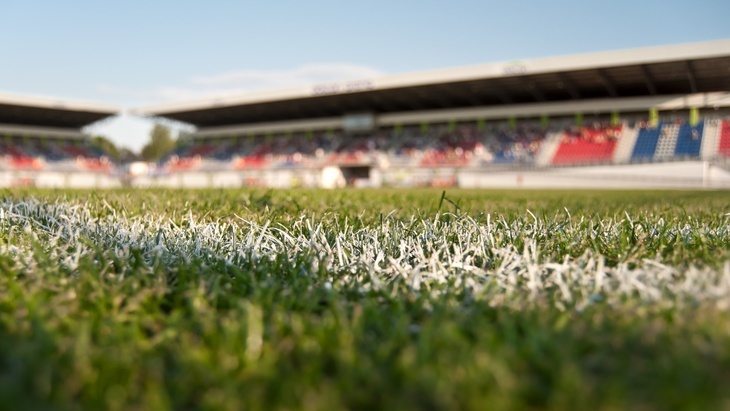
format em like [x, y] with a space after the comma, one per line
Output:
[136, 53]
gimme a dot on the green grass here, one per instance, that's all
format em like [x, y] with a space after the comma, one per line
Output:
[367, 299]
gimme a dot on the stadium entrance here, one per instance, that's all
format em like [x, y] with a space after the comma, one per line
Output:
[357, 176]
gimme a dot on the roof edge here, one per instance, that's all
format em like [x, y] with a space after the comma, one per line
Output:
[54, 103]
[643, 55]
[673, 102]
[40, 131]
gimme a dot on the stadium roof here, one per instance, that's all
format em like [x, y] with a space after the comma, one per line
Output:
[51, 112]
[654, 71]
[710, 102]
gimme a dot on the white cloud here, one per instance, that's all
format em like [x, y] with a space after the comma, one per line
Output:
[133, 132]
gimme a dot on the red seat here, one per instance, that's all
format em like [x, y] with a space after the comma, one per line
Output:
[182, 164]
[723, 148]
[94, 164]
[586, 146]
[251, 162]
[201, 150]
[25, 163]
[76, 151]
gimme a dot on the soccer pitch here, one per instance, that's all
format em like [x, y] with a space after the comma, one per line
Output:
[364, 299]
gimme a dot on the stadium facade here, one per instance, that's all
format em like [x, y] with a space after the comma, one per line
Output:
[651, 117]
[42, 144]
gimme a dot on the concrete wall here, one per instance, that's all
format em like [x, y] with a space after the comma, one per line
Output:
[57, 179]
[689, 174]
[278, 178]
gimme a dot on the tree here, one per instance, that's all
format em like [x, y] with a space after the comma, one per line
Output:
[160, 143]
[127, 156]
[106, 146]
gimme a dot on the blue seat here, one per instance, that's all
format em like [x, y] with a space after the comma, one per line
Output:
[689, 140]
[646, 143]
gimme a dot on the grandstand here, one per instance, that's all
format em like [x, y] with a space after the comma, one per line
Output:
[41, 144]
[651, 117]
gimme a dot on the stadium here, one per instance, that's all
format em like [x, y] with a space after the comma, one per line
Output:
[42, 144]
[651, 117]
[232, 274]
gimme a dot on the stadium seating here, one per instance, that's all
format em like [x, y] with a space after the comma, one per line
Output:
[587, 145]
[177, 164]
[516, 145]
[101, 164]
[454, 148]
[436, 147]
[352, 151]
[404, 146]
[461, 145]
[74, 151]
[26, 163]
[251, 162]
[202, 150]
[646, 143]
[689, 140]
[24, 153]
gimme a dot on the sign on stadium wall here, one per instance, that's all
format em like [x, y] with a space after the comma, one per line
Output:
[514, 68]
[344, 87]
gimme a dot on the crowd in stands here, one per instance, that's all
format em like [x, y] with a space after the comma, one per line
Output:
[516, 145]
[436, 146]
[40, 153]
[444, 145]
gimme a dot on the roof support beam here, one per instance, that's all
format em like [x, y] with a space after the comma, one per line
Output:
[691, 76]
[345, 104]
[465, 95]
[473, 100]
[435, 95]
[473, 96]
[504, 97]
[322, 111]
[412, 101]
[315, 110]
[340, 104]
[535, 91]
[443, 102]
[607, 82]
[332, 107]
[648, 80]
[407, 104]
[352, 106]
[568, 84]
[500, 93]
[383, 104]
[297, 110]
